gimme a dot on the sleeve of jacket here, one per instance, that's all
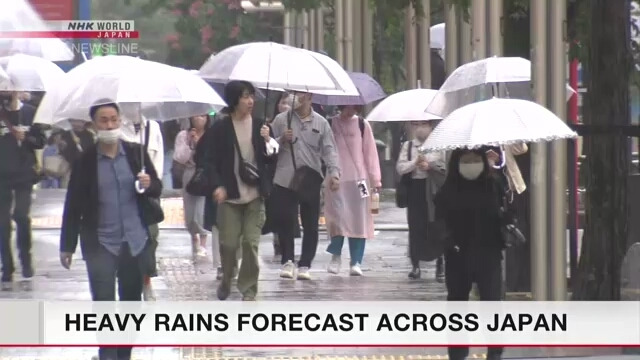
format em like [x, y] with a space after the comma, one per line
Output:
[35, 137]
[71, 216]
[210, 155]
[330, 151]
[155, 188]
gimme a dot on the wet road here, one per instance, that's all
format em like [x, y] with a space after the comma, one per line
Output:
[385, 278]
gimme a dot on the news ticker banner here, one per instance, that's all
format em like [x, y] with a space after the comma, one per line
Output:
[76, 29]
[309, 323]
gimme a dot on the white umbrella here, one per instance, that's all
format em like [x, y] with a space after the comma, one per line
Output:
[437, 36]
[273, 65]
[31, 73]
[5, 82]
[404, 106]
[497, 122]
[508, 77]
[163, 92]
[18, 15]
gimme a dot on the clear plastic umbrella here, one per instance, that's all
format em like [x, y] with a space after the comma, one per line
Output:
[272, 65]
[17, 15]
[31, 73]
[404, 106]
[507, 77]
[162, 91]
[497, 122]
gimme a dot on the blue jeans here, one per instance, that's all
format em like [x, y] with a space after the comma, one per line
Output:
[356, 248]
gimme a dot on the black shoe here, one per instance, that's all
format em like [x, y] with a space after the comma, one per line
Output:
[415, 273]
[27, 272]
[224, 290]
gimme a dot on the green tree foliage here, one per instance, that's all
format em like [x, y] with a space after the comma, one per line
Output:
[203, 27]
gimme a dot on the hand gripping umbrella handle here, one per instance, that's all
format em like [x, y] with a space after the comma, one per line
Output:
[139, 187]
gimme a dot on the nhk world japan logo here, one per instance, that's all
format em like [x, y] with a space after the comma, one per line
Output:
[77, 29]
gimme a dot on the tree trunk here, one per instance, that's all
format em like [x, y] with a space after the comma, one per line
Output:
[607, 103]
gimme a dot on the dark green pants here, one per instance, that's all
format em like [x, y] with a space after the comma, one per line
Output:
[240, 226]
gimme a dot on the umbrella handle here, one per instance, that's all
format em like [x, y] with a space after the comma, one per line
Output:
[139, 187]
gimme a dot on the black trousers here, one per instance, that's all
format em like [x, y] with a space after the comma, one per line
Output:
[286, 220]
[462, 268]
[20, 197]
[104, 270]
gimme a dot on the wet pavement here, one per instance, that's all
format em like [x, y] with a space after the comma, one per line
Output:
[385, 278]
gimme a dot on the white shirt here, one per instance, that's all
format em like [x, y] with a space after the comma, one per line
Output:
[156, 143]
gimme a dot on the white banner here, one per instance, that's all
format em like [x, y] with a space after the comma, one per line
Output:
[340, 323]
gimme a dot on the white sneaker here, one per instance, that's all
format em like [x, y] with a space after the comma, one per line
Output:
[202, 252]
[303, 273]
[287, 270]
[147, 293]
[334, 265]
[355, 270]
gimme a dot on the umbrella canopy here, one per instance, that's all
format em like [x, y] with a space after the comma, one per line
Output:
[273, 65]
[404, 106]
[508, 77]
[5, 81]
[369, 90]
[18, 15]
[497, 122]
[31, 73]
[163, 92]
[437, 36]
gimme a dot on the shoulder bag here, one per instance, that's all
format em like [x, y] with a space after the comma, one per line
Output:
[247, 171]
[306, 182]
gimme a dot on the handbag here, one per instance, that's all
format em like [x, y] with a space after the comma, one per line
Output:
[151, 210]
[402, 185]
[247, 171]
[511, 235]
[199, 184]
[56, 166]
[306, 181]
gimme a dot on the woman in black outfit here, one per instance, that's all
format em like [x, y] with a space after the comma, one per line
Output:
[470, 203]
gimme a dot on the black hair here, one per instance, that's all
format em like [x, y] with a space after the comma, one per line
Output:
[206, 124]
[453, 175]
[358, 108]
[100, 104]
[276, 111]
[234, 90]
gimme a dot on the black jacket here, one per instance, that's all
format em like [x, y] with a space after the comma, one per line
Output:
[18, 162]
[219, 157]
[80, 216]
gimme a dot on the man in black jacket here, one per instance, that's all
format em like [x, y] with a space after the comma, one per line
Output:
[18, 173]
[108, 205]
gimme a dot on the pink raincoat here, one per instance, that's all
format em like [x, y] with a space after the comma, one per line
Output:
[346, 212]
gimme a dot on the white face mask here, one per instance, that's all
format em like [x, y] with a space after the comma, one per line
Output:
[109, 136]
[471, 171]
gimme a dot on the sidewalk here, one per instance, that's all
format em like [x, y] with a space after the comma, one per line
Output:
[47, 207]
[385, 279]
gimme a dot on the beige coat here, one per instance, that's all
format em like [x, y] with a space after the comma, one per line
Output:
[516, 182]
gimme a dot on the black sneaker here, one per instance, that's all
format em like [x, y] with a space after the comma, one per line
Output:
[7, 283]
[224, 290]
[27, 272]
[415, 273]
